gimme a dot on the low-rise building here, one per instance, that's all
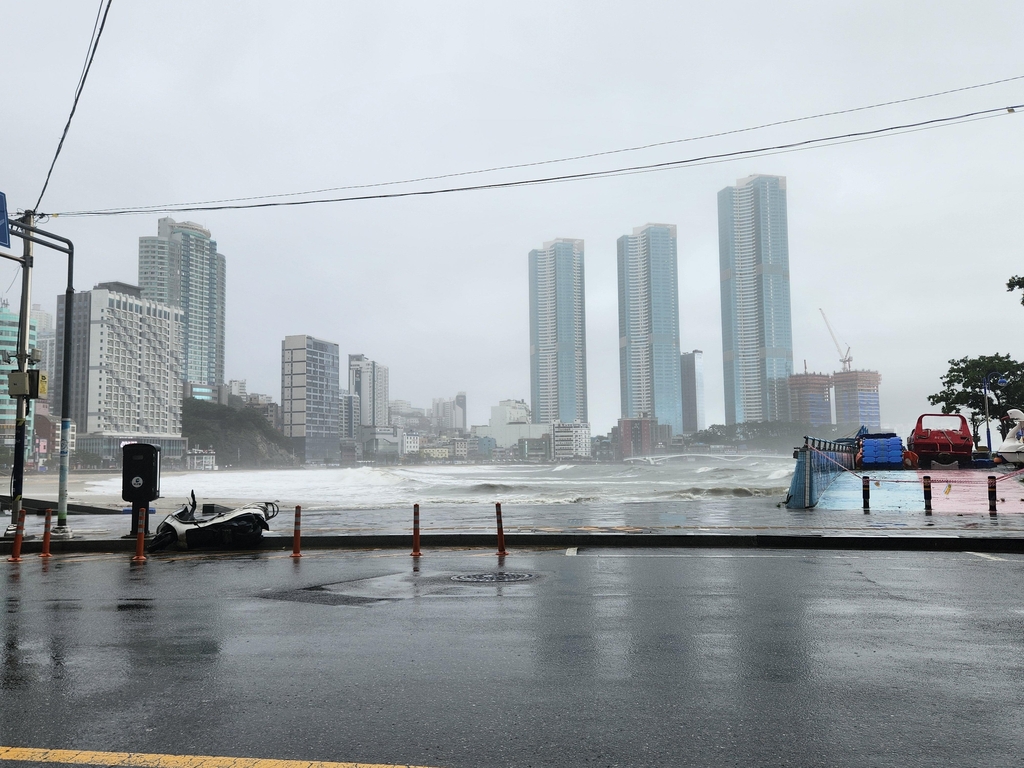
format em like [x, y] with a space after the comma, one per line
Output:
[511, 422]
[570, 441]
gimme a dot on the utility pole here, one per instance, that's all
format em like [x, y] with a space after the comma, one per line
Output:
[21, 418]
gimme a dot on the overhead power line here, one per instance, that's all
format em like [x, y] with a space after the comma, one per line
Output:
[844, 138]
[94, 42]
[572, 158]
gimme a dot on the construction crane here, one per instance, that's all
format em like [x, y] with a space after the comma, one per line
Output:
[844, 359]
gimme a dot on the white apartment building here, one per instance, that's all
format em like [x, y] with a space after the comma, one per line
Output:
[126, 368]
[570, 441]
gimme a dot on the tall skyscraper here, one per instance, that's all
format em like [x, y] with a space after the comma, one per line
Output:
[125, 378]
[558, 333]
[369, 380]
[181, 267]
[649, 370]
[692, 373]
[757, 330]
[311, 397]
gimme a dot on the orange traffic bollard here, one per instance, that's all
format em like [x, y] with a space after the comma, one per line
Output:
[297, 536]
[19, 536]
[46, 535]
[140, 536]
[501, 531]
[415, 530]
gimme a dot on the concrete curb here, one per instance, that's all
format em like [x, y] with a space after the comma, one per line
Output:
[899, 543]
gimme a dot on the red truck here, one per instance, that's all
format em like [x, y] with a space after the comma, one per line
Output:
[941, 437]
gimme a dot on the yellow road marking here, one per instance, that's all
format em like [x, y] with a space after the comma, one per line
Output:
[142, 760]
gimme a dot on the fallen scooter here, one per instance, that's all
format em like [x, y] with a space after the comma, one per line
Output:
[240, 528]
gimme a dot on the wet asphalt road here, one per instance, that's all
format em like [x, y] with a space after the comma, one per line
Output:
[605, 658]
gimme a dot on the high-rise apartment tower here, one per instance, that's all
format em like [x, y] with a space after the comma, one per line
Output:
[757, 331]
[369, 380]
[558, 333]
[692, 373]
[181, 267]
[649, 366]
[311, 397]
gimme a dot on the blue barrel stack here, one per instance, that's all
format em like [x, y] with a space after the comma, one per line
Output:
[882, 453]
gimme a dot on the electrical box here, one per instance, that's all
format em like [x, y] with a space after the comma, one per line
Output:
[32, 384]
[17, 384]
[140, 472]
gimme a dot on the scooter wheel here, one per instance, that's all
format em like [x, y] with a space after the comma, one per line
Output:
[161, 541]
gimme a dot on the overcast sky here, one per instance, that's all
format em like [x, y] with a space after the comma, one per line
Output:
[906, 242]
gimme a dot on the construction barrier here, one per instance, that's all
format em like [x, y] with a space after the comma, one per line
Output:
[140, 535]
[19, 536]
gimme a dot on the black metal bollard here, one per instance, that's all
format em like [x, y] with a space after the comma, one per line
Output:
[927, 480]
[992, 495]
[865, 485]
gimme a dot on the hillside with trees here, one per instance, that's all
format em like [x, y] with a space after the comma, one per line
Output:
[240, 436]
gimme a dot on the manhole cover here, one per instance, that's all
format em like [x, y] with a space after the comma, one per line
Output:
[492, 578]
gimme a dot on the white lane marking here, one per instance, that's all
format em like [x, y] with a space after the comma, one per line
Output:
[571, 551]
[987, 557]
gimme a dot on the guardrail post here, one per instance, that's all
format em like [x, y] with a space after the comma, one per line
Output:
[927, 481]
[865, 485]
[19, 536]
[992, 495]
[415, 530]
[808, 455]
[46, 534]
[297, 533]
[501, 531]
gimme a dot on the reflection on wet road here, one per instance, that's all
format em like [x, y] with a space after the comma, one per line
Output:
[626, 657]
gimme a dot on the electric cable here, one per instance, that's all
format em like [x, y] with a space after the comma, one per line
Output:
[893, 130]
[78, 93]
[637, 148]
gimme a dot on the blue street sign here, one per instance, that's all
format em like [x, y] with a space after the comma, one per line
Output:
[5, 230]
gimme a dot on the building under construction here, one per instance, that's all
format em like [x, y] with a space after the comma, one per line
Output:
[856, 399]
[810, 398]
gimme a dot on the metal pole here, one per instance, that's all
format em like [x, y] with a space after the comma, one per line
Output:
[988, 424]
[21, 417]
[62, 531]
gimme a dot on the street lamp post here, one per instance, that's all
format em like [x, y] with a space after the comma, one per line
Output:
[30, 234]
[984, 386]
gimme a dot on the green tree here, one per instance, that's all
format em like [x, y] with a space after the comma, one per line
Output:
[1016, 283]
[963, 390]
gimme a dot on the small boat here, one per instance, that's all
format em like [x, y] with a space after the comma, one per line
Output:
[1012, 448]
